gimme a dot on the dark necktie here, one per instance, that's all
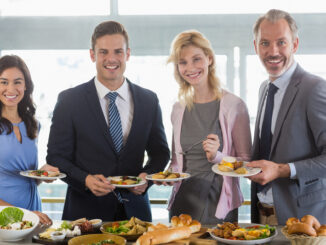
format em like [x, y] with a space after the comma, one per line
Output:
[266, 131]
[115, 129]
[115, 122]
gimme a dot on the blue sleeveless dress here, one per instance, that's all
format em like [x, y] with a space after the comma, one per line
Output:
[15, 157]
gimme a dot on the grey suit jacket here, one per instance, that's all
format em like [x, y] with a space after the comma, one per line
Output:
[299, 137]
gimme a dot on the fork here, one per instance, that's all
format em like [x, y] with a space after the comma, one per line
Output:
[192, 146]
[119, 197]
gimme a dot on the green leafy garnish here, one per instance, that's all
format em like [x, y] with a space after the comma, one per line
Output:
[66, 225]
[10, 215]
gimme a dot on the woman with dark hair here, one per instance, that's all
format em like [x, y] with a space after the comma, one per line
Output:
[18, 137]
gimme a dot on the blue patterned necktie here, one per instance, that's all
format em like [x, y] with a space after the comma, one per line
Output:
[115, 122]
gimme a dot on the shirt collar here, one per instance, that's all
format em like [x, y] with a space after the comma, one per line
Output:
[283, 81]
[102, 91]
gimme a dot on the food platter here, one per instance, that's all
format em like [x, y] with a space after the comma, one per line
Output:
[250, 171]
[243, 242]
[182, 177]
[28, 173]
[129, 237]
[116, 178]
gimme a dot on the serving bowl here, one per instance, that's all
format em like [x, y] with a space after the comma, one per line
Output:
[131, 237]
[16, 235]
[303, 239]
[93, 238]
[96, 223]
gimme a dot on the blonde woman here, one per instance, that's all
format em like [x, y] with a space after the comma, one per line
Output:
[205, 111]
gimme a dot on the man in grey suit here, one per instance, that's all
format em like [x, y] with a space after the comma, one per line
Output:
[290, 133]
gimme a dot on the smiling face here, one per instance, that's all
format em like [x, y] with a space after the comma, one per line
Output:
[12, 87]
[275, 47]
[193, 65]
[110, 55]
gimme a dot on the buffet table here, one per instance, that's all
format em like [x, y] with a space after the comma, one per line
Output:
[279, 240]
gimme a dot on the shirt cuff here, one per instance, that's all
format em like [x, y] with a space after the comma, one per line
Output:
[293, 171]
[218, 157]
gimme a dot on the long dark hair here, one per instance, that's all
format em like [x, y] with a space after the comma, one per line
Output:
[26, 107]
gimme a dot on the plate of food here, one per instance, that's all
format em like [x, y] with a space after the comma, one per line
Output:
[61, 232]
[232, 233]
[167, 176]
[16, 223]
[129, 229]
[126, 181]
[229, 166]
[42, 174]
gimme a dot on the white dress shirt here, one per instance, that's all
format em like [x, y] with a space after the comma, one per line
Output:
[282, 82]
[124, 103]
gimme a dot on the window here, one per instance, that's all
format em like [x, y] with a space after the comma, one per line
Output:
[54, 7]
[171, 7]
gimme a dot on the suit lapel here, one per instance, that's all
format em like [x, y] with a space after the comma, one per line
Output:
[287, 101]
[94, 104]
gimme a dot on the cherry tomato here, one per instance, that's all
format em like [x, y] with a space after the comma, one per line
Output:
[232, 238]
[115, 225]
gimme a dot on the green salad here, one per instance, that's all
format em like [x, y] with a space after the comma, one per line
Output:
[118, 227]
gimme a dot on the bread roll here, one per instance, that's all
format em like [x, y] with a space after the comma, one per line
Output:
[175, 221]
[159, 226]
[164, 236]
[195, 226]
[311, 220]
[185, 219]
[321, 231]
[302, 228]
[291, 221]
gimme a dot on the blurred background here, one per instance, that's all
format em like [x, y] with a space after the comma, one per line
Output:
[53, 37]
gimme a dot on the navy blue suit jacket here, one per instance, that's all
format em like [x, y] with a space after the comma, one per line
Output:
[80, 144]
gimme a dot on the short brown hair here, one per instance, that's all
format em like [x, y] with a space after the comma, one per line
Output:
[275, 15]
[109, 28]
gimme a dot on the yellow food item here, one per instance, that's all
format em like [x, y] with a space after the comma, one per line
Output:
[225, 167]
[241, 171]
[228, 160]
[47, 233]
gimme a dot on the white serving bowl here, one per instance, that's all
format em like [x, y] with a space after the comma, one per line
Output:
[16, 235]
[58, 235]
[96, 223]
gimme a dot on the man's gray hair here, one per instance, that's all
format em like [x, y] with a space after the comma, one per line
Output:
[273, 16]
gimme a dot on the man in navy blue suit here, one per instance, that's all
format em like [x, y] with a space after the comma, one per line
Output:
[88, 143]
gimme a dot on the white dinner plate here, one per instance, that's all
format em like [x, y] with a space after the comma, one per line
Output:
[244, 242]
[27, 174]
[251, 171]
[182, 177]
[142, 182]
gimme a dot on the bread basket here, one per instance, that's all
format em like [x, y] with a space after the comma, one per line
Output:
[303, 239]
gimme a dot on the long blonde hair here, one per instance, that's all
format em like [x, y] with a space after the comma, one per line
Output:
[193, 38]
